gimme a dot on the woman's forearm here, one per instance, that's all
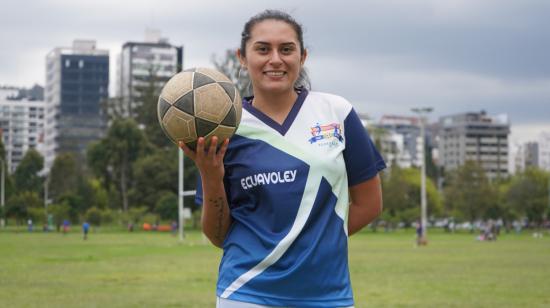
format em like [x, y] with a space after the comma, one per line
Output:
[215, 212]
[361, 216]
[365, 205]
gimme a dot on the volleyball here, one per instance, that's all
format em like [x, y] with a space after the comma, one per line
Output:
[199, 102]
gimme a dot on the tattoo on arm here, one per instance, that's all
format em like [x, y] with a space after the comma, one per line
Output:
[219, 206]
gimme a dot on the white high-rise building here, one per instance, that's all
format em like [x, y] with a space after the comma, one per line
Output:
[142, 64]
[403, 132]
[22, 124]
[475, 136]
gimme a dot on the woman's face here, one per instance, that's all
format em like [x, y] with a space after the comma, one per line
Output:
[273, 57]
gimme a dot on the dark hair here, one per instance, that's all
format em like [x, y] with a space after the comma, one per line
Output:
[303, 78]
[275, 15]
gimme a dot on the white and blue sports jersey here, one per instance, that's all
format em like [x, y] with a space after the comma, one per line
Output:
[287, 188]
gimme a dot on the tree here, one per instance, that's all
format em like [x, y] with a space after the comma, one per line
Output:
[64, 176]
[146, 110]
[230, 65]
[99, 194]
[468, 194]
[59, 212]
[2, 150]
[114, 156]
[93, 216]
[157, 174]
[26, 175]
[18, 206]
[528, 194]
[401, 195]
[499, 207]
[76, 205]
[167, 206]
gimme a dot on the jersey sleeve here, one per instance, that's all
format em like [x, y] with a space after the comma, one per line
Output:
[363, 161]
[198, 194]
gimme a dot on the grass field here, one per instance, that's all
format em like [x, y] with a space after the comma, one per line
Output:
[116, 269]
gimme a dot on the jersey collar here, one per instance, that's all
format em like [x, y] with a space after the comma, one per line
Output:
[281, 128]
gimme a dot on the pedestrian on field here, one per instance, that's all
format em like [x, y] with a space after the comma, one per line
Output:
[85, 229]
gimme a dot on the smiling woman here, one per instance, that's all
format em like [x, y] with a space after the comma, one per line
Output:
[299, 176]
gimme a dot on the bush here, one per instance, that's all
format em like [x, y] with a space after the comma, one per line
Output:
[36, 214]
[107, 216]
[150, 218]
[93, 216]
[167, 206]
[59, 212]
[136, 214]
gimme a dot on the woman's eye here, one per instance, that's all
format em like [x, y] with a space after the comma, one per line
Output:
[287, 50]
[262, 49]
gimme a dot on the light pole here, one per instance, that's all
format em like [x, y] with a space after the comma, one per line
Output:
[181, 195]
[2, 193]
[46, 194]
[423, 204]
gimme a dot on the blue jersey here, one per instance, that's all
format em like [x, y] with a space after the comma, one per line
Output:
[287, 189]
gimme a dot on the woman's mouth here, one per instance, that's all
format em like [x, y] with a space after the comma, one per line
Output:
[274, 73]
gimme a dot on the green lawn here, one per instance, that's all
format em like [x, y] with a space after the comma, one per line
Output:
[116, 269]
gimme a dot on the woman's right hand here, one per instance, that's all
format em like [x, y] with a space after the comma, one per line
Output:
[208, 161]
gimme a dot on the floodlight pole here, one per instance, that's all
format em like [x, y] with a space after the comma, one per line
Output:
[547, 216]
[423, 201]
[46, 191]
[180, 195]
[2, 194]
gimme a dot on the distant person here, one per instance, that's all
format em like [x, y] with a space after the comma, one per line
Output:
[517, 226]
[85, 229]
[29, 225]
[174, 228]
[418, 233]
[65, 226]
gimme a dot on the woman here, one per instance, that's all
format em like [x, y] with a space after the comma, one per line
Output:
[299, 175]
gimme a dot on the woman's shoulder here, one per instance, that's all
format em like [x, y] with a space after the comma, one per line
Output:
[330, 100]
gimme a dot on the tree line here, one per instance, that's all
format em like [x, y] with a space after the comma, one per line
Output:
[131, 176]
[468, 195]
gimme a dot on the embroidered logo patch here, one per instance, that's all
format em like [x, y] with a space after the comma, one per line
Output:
[329, 132]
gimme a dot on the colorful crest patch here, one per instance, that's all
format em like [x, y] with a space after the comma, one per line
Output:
[326, 132]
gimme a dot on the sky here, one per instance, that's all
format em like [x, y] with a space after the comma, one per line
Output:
[385, 56]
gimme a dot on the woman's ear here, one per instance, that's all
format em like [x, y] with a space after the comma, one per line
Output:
[241, 58]
[304, 56]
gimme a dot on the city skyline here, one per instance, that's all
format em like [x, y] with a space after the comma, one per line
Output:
[386, 57]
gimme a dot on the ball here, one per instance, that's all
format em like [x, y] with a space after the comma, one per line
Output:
[199, 102]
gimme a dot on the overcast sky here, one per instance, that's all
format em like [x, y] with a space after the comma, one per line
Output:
[384, 56]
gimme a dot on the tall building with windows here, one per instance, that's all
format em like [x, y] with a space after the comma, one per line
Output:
[142, 66]
[534, 154]
[77, 82]
[410, 151]
[544, 150]
[22, 122]
[475, 136]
